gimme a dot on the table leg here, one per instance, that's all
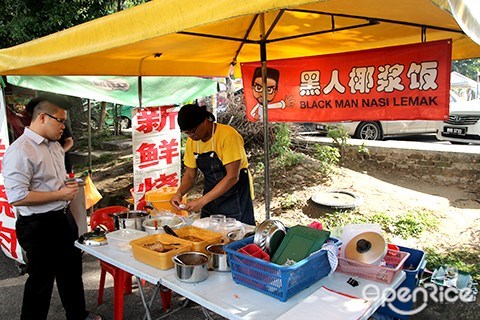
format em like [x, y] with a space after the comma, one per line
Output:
[118, 295]
[146, 305]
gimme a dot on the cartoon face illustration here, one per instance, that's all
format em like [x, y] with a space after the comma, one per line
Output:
[272, 84]
[258, 89]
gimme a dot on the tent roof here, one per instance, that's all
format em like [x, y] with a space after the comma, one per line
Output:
[156, 38]
[458, 80]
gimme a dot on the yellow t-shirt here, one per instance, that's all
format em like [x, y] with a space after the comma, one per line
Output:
[227, 143]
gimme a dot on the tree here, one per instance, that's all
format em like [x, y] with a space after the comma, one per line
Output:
[468, 67]
[25, 20]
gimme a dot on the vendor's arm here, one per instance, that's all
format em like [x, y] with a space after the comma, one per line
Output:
[188, 180]
[230, 179]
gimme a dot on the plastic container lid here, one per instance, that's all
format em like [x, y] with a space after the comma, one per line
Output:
[120, 239]
[126, 234]
[162, 194]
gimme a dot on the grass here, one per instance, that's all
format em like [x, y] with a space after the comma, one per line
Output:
[466, 261]
[409, 225]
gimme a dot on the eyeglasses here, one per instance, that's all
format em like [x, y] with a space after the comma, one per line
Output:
[191, 132]
[259, 88]
[62, 121]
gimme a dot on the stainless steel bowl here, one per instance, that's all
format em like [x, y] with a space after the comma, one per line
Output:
[235, 235]
[155, 225]
[191, 266]
[132, 219]
[219, 260]
[269, 234]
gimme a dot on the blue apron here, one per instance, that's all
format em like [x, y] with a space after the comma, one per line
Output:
[236, 202]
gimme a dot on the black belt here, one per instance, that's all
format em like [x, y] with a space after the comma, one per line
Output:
[64, 210]
[46, 215]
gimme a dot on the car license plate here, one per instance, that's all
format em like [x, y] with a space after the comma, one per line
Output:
[455, 131]
[321, 127]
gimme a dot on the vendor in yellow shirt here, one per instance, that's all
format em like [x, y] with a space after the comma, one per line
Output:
[218, 151]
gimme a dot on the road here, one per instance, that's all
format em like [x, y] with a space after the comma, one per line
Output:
[420, 142]
[12, 282]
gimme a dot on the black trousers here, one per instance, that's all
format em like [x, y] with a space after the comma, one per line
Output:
[48, 241]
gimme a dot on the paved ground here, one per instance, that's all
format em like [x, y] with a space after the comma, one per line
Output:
[11, 291]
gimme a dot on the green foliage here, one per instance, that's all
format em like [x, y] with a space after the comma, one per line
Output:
[466, 261]
[339, 135]
[468, 67]
[282, 141]
[329, 158]
[414, 223]
[289, 202]
[280, 149]
[25, 20]
[290, 159]
[411, 224]
[363, 150]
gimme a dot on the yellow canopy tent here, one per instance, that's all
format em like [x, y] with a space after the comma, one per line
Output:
[158, 38]
[211, 38]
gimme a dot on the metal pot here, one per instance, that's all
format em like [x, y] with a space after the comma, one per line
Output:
[191, 266]
[155, 225]
[219, 260]
[132, 219]
[269, 234]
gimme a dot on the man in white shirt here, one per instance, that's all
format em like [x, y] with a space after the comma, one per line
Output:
[35, 183]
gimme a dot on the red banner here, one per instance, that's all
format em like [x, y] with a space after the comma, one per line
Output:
[409, 82]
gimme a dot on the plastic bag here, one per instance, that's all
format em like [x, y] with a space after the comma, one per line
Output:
[92, 196]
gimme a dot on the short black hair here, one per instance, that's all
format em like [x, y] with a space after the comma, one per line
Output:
[191, 115]
[271, 74]
[55, 99]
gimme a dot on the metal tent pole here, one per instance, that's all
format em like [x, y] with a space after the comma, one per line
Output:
[266, 148]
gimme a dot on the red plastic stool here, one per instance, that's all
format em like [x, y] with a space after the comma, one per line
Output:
[122, 284]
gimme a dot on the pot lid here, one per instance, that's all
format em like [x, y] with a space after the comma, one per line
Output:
[337, 199]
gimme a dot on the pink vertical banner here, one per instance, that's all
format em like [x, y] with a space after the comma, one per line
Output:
[156, 150]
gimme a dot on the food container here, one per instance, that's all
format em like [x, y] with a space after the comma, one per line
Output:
[132, 219]
[191, 266]
[143, 251]
[219, 258]
[120, 239]
[200, 238]
[160, 200]
[155, 225]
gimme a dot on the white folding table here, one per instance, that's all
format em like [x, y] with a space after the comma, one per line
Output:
[220, 294]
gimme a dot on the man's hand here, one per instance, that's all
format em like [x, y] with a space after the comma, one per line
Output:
[70, 191]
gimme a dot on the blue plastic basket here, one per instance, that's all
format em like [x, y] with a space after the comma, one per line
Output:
[413, 267]
[280, 282]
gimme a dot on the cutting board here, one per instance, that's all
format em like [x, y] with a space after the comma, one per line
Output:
[299, 243]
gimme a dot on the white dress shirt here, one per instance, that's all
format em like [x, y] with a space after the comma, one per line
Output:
[32, 163]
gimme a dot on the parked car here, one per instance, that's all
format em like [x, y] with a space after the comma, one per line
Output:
[463, 124]
[124, 114]
[378, 130]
